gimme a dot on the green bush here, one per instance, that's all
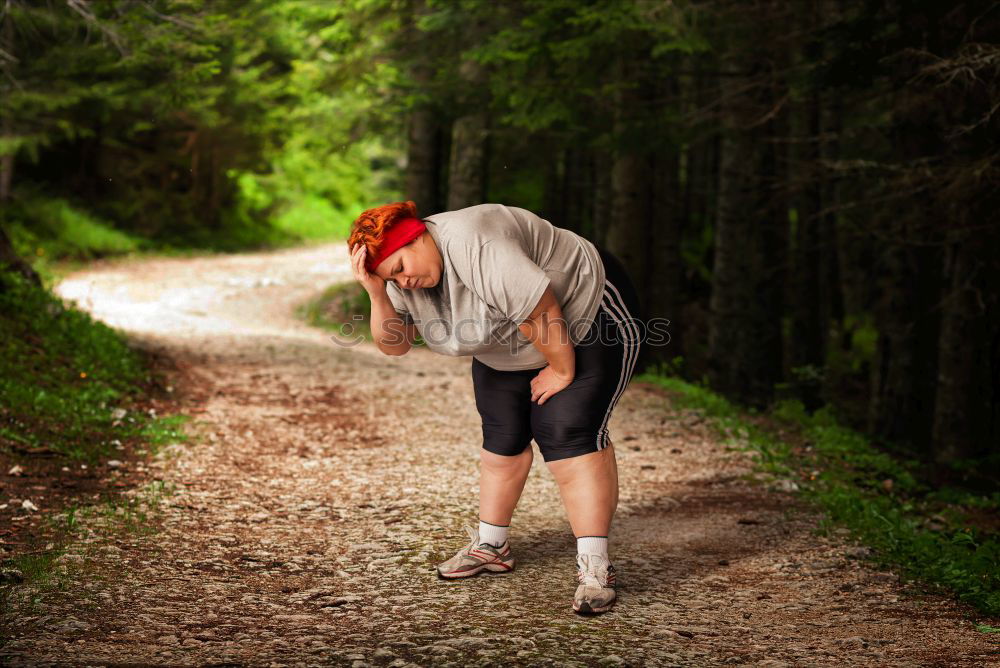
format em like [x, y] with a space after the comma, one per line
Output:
[67, 381]
[913, 527]
[45, 229]
[344, 308]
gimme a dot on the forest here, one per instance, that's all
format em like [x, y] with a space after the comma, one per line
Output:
[807, 191]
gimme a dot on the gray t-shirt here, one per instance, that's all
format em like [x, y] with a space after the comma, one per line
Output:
[497, 262]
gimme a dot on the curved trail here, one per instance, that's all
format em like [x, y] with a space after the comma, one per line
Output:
[329, 481]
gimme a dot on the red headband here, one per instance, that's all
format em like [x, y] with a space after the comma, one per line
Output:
[401, 233]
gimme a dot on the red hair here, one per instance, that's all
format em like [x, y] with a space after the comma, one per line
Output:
[370, 227]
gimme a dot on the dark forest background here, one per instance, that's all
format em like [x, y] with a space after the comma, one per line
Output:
[807, 190]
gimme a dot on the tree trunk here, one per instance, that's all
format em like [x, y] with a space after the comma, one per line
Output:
[751, 225]
[7, 128]
[807, 347]
[967, 402]
[6, 164]
[665, 275]
[834, 270]
[602, 196]
[424, 164]
[576, 185]
[423, 161]
[8, 257]
[903, 387]
[467, 177]
[11, 260]
[553, 182]
[629, 230]
[908, 316]
[965, 411]
[664, 280]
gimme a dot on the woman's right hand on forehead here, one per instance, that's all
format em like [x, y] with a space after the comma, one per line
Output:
[373, 283]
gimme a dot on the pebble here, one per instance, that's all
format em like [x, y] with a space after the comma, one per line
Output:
[343, 476]
[785, 485]
[70, 625]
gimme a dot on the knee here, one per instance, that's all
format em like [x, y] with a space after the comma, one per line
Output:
[506, 444]
[582, 468]
[505, 463]
[567, 433]
[565, 440]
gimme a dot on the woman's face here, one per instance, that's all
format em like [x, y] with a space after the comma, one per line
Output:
[418, 264]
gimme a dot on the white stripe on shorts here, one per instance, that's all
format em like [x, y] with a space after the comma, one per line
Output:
[630, 335]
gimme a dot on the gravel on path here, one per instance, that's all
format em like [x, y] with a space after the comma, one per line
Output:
[328, 480]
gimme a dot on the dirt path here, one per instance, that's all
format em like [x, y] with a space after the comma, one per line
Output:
[305, 530]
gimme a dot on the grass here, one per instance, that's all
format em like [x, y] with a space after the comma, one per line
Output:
[46, 230]
[72, 387]
[312, 218]
[81, 529]
[56, 235]
[343, 308]
[926, 534]
[69, 385]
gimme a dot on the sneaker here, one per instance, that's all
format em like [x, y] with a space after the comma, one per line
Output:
[596, 592]
[477, 557]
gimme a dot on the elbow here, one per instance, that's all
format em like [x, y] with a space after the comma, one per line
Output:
[394, 351]
[545, 311]
[540, 320]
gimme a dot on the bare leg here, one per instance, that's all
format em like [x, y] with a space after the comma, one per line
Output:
[589, 488]
[501, 481]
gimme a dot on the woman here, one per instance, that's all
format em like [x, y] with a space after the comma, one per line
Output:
[551, 322]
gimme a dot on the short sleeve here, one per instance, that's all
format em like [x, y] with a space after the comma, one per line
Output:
[397, 303]
[507, 279]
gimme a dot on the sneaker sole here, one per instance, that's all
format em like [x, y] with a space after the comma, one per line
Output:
[585, 609]
[489, 568]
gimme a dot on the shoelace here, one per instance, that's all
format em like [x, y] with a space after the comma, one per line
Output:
[593, 566]
[473, 539]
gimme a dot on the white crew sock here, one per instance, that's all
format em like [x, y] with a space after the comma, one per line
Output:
[592, 545]
[493, 534]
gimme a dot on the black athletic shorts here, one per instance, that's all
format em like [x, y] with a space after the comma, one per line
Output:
[574, 421]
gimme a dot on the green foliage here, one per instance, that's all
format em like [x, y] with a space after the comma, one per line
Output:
[911, 526]
[696, 251]
[549, 58]
[312, 195]
[343, 308]
[49, 229]
[153, 119]
[67, 383]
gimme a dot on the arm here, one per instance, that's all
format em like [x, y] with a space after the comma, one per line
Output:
[545, 327]
[503, 276]
[391, 336]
